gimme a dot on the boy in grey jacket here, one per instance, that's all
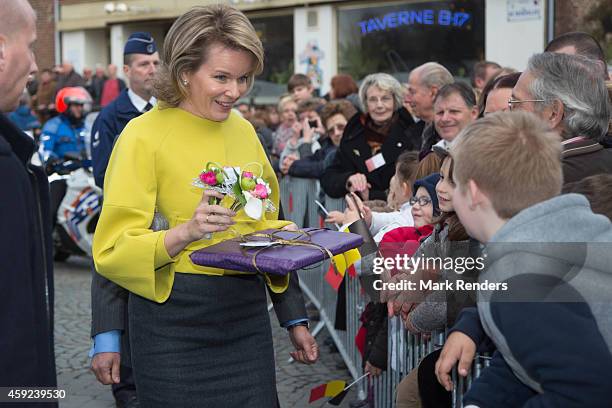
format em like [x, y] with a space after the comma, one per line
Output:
[544, 300]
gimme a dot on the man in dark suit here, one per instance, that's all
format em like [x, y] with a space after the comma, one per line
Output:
[27, 357]
[111, 357]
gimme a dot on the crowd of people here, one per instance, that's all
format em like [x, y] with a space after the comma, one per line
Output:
[454, 168]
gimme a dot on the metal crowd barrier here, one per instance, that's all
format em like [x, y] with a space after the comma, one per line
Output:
[405, 350]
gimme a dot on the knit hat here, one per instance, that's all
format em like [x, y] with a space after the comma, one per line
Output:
[429, 183]
[140, 43]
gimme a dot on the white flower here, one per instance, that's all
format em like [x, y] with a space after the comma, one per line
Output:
[253, 207]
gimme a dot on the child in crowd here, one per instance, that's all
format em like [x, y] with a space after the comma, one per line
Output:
[334, 117]
[424, 208]
[310, 130]
[308, 133]
[551, 324]
[300, 87]
[289, 125]
[438, 308]
[399, 196]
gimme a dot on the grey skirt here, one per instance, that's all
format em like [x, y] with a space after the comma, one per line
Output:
[209, 345]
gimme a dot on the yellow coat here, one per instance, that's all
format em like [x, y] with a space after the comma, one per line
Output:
[152, 166]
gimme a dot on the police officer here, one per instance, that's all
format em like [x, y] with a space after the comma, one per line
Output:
[65, 132]
[111, 362]
[140, 58]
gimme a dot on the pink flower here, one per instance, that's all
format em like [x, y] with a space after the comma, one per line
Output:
[261, 191]
[247, 174]
[209, 178]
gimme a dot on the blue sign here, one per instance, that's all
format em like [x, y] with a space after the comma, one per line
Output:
[412, 17]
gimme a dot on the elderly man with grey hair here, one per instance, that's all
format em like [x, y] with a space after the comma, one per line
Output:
[424, 82]
[372, 141]
[26, 265]
[568, 93]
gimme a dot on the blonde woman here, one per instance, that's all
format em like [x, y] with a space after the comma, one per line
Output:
[200, 336]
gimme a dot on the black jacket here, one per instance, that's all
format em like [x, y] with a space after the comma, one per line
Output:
[375, 321]
[26, 266]
[354, 151]
[584, 158]
[313, 165]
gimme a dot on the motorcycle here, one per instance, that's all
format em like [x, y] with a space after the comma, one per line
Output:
[79, 210]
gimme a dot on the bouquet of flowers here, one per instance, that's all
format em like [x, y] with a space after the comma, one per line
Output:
[216, 178]
[249, 192]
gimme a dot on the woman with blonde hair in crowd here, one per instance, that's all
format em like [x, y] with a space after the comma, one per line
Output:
[200, 336]
[372, 141]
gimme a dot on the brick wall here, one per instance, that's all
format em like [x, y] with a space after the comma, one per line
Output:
[569, 15]
[44, 48]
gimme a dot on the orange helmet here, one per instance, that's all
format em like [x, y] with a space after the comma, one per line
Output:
[70, 95]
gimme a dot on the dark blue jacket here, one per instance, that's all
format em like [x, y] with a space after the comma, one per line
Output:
[313, 165]
[26, 266]
[552, 323]
[59, 136]
[108, 126]
[24, 118]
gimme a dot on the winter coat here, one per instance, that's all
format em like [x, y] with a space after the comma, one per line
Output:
[26, 266]
[24, 118]
[552, 324]
[354, 151]
[584, 158]
[313, 165]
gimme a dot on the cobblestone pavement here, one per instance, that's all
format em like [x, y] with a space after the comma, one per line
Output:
[72, 325]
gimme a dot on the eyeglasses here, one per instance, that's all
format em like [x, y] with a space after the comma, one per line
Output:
[423, 201]
[337, 127]
[512, 102]
[373, 100]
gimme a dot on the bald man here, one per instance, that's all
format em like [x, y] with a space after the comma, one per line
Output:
[26, 267]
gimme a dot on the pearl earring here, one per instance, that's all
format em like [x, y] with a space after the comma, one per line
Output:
[185, 82]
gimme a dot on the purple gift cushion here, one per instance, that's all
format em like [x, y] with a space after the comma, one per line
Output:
[278, 259]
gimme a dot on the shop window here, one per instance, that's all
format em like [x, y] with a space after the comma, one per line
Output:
[395, 38]
[276, 34]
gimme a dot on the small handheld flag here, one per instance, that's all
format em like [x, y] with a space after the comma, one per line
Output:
[337, 400]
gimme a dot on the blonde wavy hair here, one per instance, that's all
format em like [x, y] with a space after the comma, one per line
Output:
[189, 40]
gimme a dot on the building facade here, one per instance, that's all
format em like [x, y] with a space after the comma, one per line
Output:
[320, 37]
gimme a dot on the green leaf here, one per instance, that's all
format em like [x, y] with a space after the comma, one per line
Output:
[238, 190]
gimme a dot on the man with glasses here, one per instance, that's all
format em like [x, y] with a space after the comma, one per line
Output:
[569, 94]
[110, 353]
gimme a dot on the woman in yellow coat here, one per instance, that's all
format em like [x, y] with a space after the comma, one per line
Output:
[199, 336]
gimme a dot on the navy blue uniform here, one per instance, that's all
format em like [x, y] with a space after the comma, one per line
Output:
[108, 126]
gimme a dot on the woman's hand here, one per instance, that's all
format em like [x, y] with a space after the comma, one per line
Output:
[290, 227]
[206, 219]
[287, 162]
[373, 370]
[209, 218]
[307, 131]
[358, 183]
[409, 326]
[297, 131]
[320, 129]
[335, 217]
